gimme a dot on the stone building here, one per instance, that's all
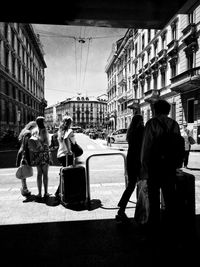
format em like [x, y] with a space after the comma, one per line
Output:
[86, 111]
[150, 64]
[21, 76]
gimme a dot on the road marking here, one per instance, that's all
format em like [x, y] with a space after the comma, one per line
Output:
[90, 147]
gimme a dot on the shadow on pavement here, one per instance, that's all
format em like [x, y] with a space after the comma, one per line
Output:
[92, 243]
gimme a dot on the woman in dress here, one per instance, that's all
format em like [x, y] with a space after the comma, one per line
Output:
[134, 138]
[40, 155]
[23, 153]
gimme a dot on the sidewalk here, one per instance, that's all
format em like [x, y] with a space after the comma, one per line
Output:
[48, 234]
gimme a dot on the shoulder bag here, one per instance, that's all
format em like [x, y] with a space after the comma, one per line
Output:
[24, 171]
[142, 206]
[191, 140]
[76, 149]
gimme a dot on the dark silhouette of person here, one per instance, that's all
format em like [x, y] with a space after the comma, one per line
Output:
[134, 138]
[160, 174]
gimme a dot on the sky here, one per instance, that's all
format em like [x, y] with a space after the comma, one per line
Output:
[76, 57]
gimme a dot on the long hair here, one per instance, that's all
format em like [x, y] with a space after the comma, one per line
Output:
[28, 128]
[64, 126]
[133, 127]
[40, 131]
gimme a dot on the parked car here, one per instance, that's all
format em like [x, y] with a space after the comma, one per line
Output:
[118, 136]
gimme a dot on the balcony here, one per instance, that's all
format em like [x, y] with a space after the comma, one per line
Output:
[141, 74]
[189, 34]
[122, 97]
[162, 56]
[122, 79]
[172, 48]
[151, 95]
[186, 81]
[135, 78]
[133, 103]
[154, 62]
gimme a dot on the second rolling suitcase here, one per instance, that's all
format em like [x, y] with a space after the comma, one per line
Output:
[73, 184]
[185, 198]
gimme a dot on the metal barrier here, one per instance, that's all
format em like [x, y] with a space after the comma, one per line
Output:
[97, 155]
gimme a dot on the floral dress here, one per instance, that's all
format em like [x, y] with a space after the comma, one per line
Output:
[40, 154]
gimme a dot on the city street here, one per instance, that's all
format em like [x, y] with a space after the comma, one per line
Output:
[50, 230]
[107, 182]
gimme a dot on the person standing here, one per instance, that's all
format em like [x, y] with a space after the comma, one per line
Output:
[40, 155]
[185, 134]
[23, 153]
[160, 159]
[64, 153]
[134, 138]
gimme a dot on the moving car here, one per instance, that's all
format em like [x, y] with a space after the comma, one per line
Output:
[118, 136]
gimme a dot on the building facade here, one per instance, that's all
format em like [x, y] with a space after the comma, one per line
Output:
[150, 64]
[21, 76]
[85, 111]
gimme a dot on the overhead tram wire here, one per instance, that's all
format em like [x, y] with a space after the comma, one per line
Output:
[86, 65]
[81, 41]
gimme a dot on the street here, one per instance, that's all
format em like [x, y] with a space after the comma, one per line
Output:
[104, 171]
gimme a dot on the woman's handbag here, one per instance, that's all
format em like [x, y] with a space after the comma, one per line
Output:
[191, 140]
[24, 171]
[142, 206]
[76, 149]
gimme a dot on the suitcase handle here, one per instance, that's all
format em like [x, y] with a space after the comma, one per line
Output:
[103, 154]
[74, 160]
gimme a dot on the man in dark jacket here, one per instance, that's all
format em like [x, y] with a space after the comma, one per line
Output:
[162, 153]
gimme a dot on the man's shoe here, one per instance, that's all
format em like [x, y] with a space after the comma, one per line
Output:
[122, 217]
[25, 192]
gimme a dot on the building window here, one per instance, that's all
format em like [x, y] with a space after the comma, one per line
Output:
[164, 41]
[173, 111]
[163, 79]
[190, 110]
[142, 89]
[155, 82]
[190, 60]
[143, 42]
[148, 84]
[190, 18]
[174, 31]
[173, 70]
[149, 35]
[136, 48]
[155, 48]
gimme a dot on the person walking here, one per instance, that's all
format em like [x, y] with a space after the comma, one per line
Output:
[23, 153]
[185, 134]
[40, 155]
[64, 153]
[161, 154]
[134, 138]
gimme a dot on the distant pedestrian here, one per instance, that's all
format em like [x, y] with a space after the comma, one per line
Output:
[162, 153]
[134, 138]
[23, 153]
[40, 155]
[186, 133]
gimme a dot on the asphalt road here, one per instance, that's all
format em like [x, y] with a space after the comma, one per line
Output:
[102, 169]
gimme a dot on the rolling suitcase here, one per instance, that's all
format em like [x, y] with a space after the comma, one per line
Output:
[185, 198]
[73, 184]
[184, 221]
